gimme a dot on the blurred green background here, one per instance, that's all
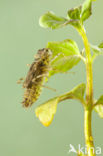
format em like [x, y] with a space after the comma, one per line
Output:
[21, 133]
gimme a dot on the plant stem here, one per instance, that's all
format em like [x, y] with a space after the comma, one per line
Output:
[89, 87]
[89, 97]
[88, 133]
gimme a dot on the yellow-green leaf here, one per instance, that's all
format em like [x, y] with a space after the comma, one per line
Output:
[50, 20]
[100, 100]
[99, 106]
[97, 50]
[86, 9]
[99, 110]
[76, 93]
[66, 55]
[75, 13]
[46, 111]
[101, 45]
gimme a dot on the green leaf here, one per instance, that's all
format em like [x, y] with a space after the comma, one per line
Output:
[76, 24]
[97, 50]
[50, 20]
[77, 93]
[100, 100]
[86, 10]
[66, 55]
[74, 16]
[99, 110]
[46, 111]
[75, 13]
[101, 45]
[99, 106]
[81, 12]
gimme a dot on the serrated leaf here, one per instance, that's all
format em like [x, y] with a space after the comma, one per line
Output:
[75, 13]
[50, 20]
[86, 10]
[46, 111]
[66, 55]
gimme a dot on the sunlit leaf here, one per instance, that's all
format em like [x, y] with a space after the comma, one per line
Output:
[82, 12]
[101, 45]
[100, 100]
[76, 23]
[50, 20]
[99, 110]
[66, 55]
[75, 13]
[46, 111]
[86, 10]
[97, 50]
[78, 92]
[99, 106]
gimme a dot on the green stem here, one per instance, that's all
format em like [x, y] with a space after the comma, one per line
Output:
[89, 97]
[89, 87]
[88, 133]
